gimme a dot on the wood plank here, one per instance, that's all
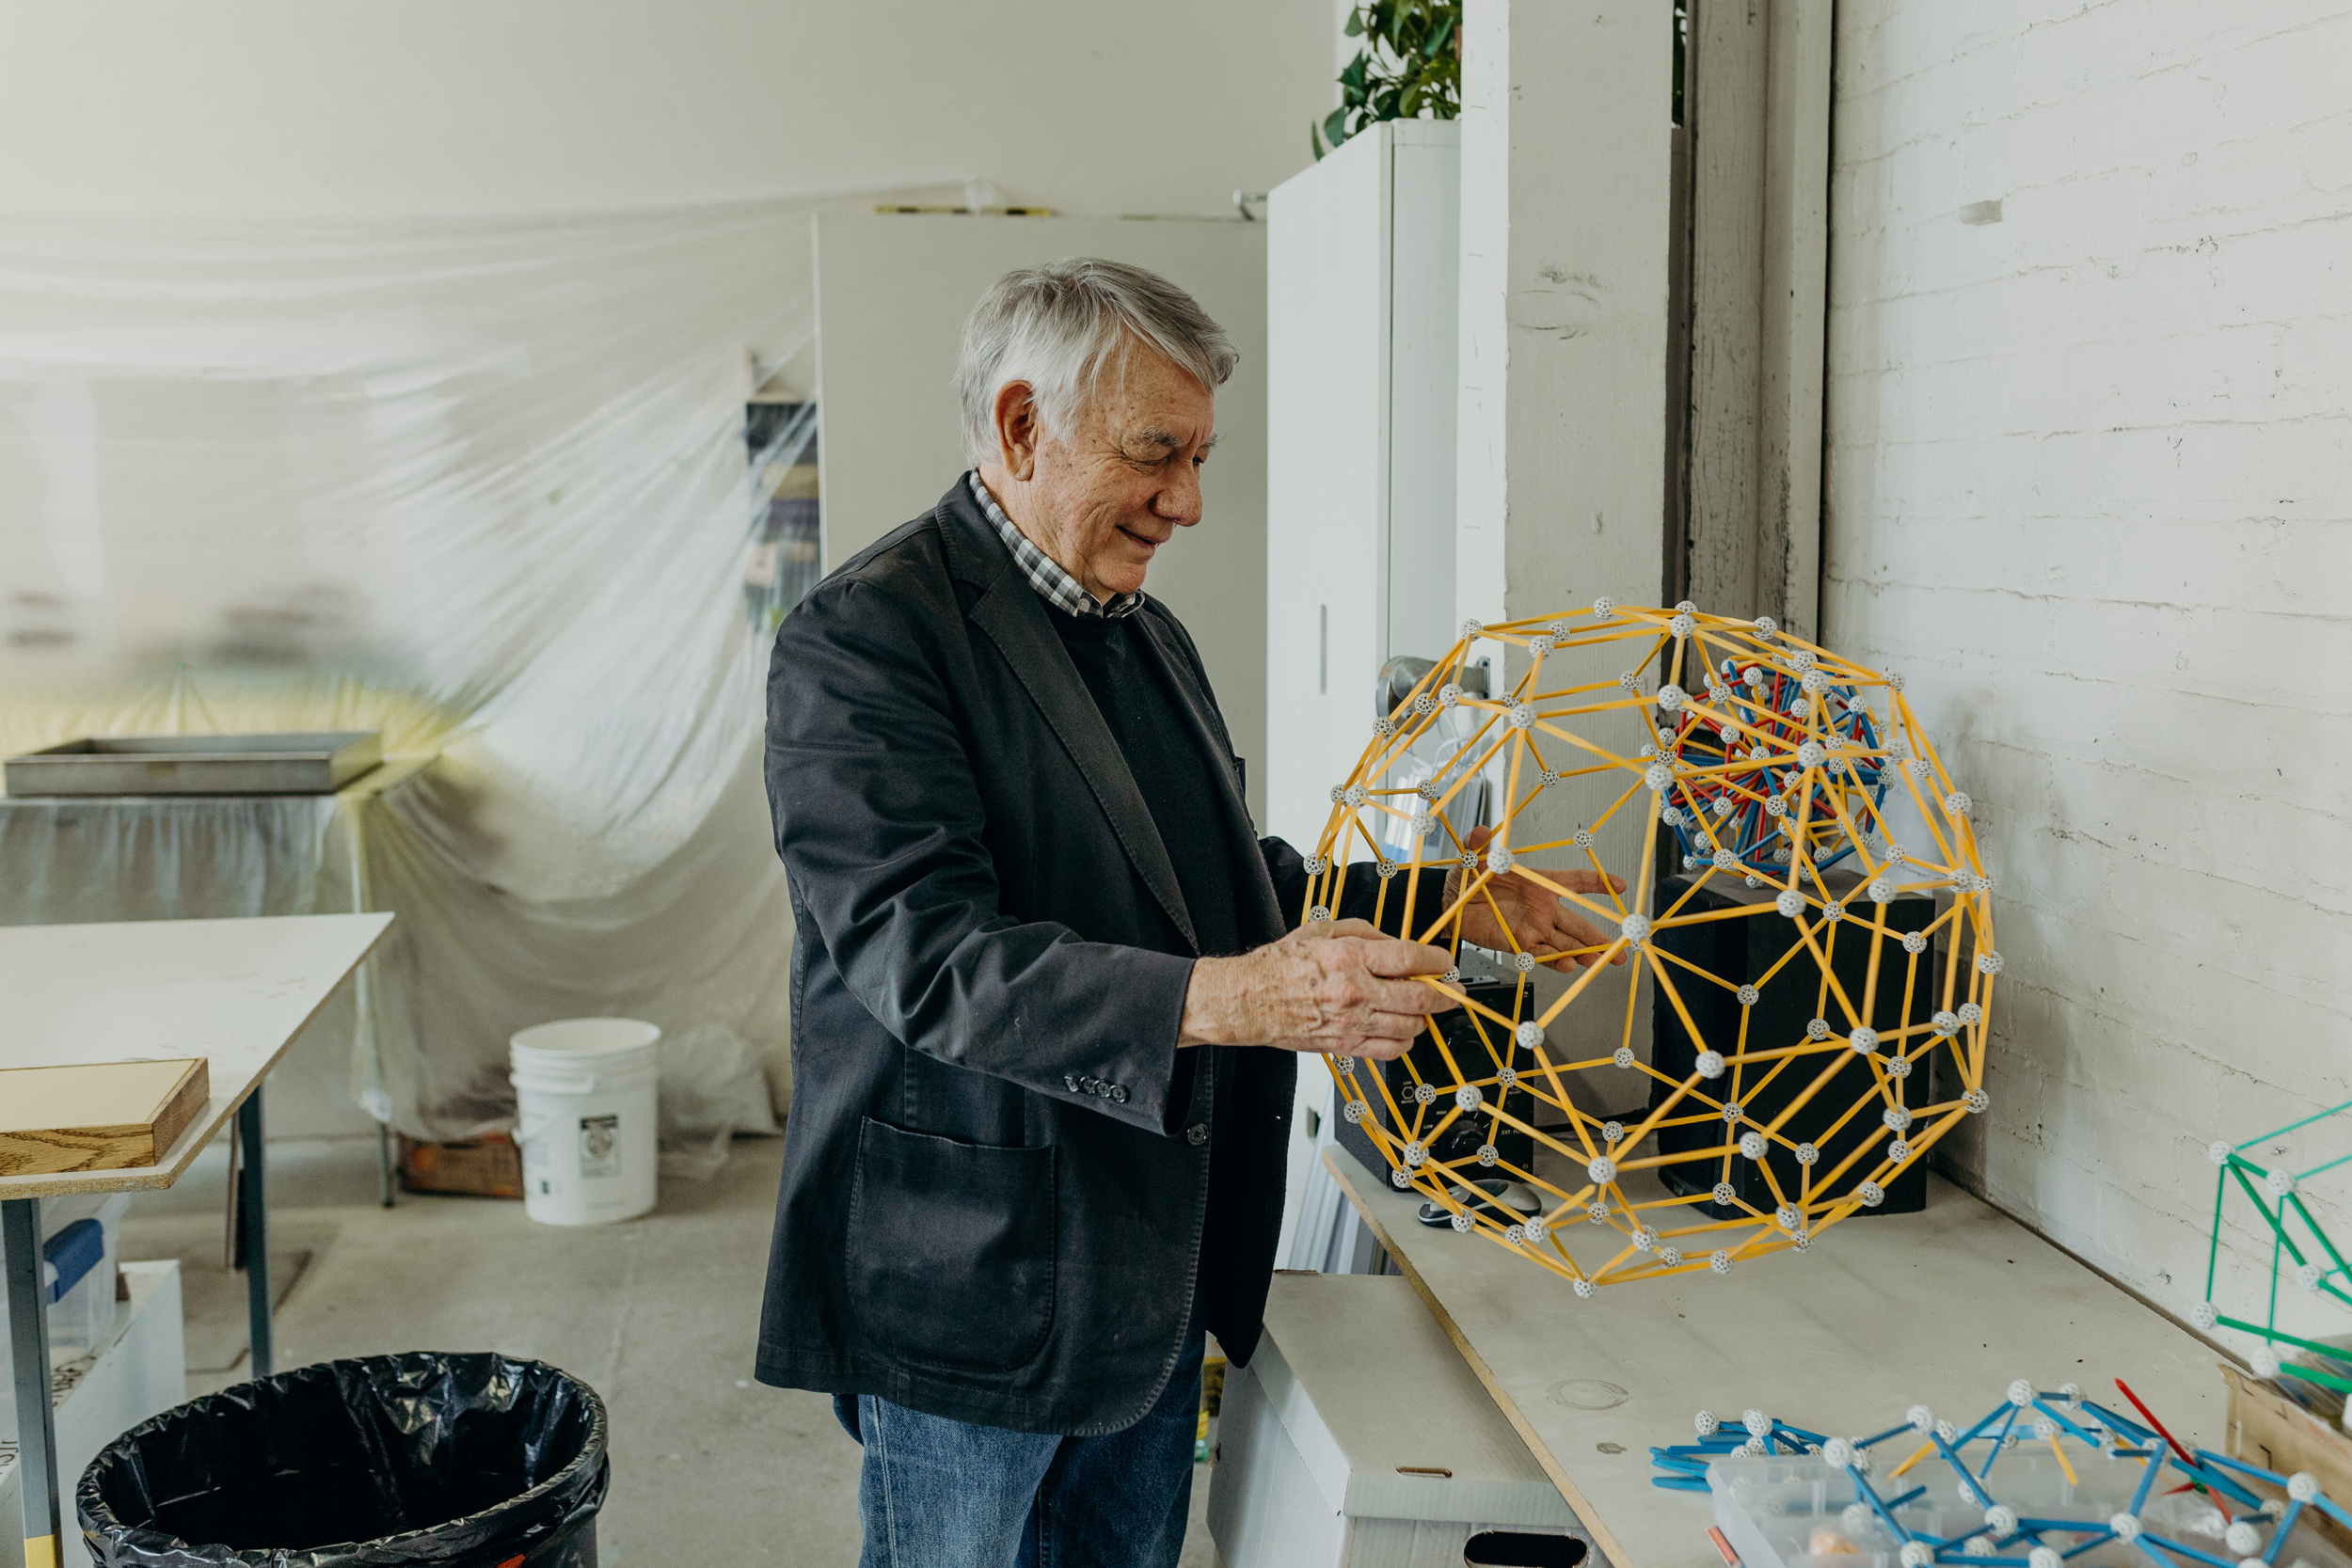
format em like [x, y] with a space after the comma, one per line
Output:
[105, 1116]
[1943, 1308]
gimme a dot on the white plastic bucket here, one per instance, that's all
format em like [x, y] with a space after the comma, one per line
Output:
[586, 1094]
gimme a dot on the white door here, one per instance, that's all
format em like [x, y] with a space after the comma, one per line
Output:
[892, 292]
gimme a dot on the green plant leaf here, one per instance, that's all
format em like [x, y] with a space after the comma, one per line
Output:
[1335, 127]
[1315, 139]
[1355, 27]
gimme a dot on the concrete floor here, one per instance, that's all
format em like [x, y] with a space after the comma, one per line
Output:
[657, 1315]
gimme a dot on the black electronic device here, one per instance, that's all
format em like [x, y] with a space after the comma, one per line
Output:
[1743, 950]
[1476, 1043]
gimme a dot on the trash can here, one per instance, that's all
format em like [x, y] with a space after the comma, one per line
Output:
[458, 1460]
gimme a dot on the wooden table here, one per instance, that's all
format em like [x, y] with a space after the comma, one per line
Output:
[1943, 1308]
[234, 992]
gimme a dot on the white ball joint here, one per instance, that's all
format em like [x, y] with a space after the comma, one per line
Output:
[1645, 1240]
[1838, 1453]
[1808, 1155]
[1604, 606]
[1448, 696]
[1471, 629]
[1499, 860]
[1749, 996]
[1635, 928]
[1602, 1170]
[1623, 1056]
[1811, 754]
[2000, 1520]
[1791, 903]
[1976, 1101]
[1523, 716]
[2126, 1527]
[1814, 683]
[1958, 803]
[2278, 1184]
[2242, 1538]
[1916, 1554]
[1463, 1222]
[1872, 1195]
[1751, 1144]
[1719, 1262]
[1583, 1288]
[1529, 1035]
[1658, 777]
[1710, 1064]
[1817, 1029]
[2218, 1152]
[1671, 697]
[2204, 1315]
[2043, 1557]
[2303, 1487]
[1896, 1117]
[1704, 1423]
[1988, 962]
[1915, 942]
[1468, 1097]
[1353, 797]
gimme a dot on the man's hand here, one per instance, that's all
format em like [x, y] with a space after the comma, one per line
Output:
[1536, 916]
[1344, 989]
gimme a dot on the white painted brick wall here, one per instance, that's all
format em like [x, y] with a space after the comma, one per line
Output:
[2087, 488]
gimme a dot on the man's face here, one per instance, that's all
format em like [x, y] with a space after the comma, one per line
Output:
[1102, 500]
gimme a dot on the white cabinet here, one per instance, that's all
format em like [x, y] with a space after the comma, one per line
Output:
[1361, 261]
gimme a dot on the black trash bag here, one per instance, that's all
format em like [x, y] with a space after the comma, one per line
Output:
[456, 1460]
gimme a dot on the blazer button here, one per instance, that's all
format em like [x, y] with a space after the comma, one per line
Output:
[1196, 1134]
[1118, 1094]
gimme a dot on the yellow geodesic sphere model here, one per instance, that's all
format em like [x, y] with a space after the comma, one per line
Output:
[1815, 967]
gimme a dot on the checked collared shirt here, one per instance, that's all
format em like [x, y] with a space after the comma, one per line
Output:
[1062, 590]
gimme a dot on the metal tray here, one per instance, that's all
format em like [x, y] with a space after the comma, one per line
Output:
[313, 763]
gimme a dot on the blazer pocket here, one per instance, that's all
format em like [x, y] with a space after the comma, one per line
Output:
[952, 1248]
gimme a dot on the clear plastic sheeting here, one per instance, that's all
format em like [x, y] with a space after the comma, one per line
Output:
[484, 487]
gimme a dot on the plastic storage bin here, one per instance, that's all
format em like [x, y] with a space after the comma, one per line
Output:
[78, 1257]
[1793, 1513]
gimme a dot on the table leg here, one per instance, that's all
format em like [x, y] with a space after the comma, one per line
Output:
[384, 1163]
[253, 1197]
[28, 1354]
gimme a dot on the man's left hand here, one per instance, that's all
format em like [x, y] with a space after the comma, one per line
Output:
[1536, 916]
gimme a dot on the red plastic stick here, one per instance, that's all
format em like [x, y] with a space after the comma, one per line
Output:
[2159, 1425]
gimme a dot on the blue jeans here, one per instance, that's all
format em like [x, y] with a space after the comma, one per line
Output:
[939, 1493]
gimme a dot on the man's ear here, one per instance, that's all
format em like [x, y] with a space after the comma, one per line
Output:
[1015, 419]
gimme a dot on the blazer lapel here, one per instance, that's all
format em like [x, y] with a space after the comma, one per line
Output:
[1009, 615]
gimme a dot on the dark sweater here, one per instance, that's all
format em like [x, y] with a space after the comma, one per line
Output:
[1178, 788]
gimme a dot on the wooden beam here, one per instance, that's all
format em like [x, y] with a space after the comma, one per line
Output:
[1758, 108]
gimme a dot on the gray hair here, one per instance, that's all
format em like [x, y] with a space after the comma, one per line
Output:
[1057, 327]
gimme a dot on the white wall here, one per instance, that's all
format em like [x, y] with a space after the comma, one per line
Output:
[2087, 489]
[231, 107]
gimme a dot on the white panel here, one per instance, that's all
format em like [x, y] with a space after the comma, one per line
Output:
[1325, 364]
[892, 292]
[1426, 256]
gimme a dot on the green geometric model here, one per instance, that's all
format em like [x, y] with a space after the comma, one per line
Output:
[2298, 1248]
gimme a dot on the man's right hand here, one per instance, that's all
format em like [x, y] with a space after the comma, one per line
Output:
[1345, 988]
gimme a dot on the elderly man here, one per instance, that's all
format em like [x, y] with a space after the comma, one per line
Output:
[1046, 1013]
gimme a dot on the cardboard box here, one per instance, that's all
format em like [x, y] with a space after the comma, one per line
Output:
[2272, 1430]
[486, 1166]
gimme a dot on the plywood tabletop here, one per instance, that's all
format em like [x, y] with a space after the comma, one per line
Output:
[233, 991]
[1943, 1308]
